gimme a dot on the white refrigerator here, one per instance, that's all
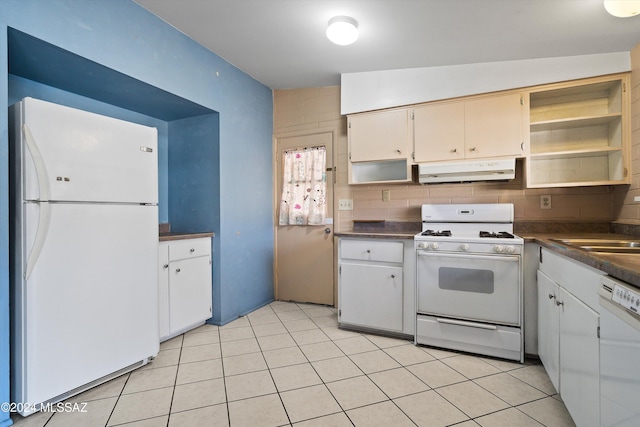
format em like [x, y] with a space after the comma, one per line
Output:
[84, 300]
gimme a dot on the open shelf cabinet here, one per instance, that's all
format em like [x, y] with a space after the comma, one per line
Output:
[579, 133]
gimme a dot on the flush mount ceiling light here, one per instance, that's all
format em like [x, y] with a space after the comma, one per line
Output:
[342, 30]
[622, 8]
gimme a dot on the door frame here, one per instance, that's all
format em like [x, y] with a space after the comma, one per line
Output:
[334, 131]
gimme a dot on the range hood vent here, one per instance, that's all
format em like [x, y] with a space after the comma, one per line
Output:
[464, 171]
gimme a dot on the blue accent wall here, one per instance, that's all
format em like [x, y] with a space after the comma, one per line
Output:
[121, 35]
[20, 87]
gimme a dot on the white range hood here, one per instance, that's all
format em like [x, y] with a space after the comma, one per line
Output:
[464, 171]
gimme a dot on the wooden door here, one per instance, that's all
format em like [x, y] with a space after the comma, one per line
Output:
[304, 262]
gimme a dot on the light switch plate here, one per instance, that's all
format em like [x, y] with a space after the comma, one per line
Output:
[345, 204]
[636, 199]
[386, 195]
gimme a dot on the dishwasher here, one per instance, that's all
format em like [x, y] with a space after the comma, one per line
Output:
[619, 353]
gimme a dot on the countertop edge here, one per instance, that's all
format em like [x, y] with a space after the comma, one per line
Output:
[625, 267]
[376, 234]
[165, 237]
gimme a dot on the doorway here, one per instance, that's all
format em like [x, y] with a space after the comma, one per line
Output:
[304, 256]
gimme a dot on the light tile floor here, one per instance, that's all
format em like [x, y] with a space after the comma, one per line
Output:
[289, 364]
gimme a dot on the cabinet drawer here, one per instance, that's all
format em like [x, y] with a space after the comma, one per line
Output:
[189, 248]
[365, 250]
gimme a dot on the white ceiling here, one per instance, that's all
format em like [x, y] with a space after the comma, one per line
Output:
[282, 43]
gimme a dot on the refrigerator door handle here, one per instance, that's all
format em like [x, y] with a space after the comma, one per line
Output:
[44, 218]
[38, 162]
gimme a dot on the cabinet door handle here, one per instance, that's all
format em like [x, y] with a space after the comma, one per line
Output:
[192, 250]
[368, 251]
[551, 296]
[393, 276]
[558, 303]
[398, 151]
[473, 149]
[164, 267]
[454, 150]
[177, 270]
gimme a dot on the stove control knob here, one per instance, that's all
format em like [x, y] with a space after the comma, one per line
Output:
[510, 249]
[423, 245]
[499, 248]
[464, 247]
[433, 245]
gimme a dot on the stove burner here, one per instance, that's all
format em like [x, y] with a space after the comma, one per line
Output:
[498, 235]
[446, 233]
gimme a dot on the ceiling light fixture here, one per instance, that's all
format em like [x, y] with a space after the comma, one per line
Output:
[622, 8]
[342, 30]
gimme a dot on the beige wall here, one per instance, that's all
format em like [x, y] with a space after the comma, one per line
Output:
[627, 210]
[302, 109]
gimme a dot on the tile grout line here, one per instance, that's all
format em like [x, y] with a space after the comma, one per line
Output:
[269, 370]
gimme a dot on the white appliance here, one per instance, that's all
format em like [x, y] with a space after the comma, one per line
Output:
[84, 301]
[464, 171]
[469, 280]
[619, 354]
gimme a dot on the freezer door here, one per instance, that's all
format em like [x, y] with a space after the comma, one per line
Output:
[90, 305]
[73, 155]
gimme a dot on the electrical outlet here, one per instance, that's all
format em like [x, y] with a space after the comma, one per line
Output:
[636, 199]
[386, 195]
[545, 201]
[345, 204]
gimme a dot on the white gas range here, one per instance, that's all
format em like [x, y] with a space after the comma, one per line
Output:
[469, 282]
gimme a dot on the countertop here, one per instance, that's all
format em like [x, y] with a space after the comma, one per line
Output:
[625, 267]
[377, 234]
[164, 237]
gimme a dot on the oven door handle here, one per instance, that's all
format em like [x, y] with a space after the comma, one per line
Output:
[470, 324]
[513, 258]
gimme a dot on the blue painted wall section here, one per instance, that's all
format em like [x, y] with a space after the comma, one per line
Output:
[124, 37]
[194, 186]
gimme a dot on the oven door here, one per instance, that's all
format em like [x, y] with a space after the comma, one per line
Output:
[467, 286]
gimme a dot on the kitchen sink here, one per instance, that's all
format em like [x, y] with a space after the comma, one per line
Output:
[603, 245]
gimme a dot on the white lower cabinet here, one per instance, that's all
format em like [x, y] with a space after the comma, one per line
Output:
[371, 296]
[375, 285]
[568, 328]
[549, 328]
[185, 299]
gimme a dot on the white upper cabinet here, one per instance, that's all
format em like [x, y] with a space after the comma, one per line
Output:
[381, 135]
[580, 133]
[475, 128]
[380, 146]
[439, 132]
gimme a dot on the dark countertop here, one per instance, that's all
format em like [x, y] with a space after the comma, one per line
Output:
[625, 267]
[164, 237]
[377, 234]
[381, 229]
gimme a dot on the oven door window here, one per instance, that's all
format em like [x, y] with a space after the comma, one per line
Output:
[466, 280]
[467, 286]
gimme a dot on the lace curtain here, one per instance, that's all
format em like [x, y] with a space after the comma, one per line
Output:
[304, 187]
